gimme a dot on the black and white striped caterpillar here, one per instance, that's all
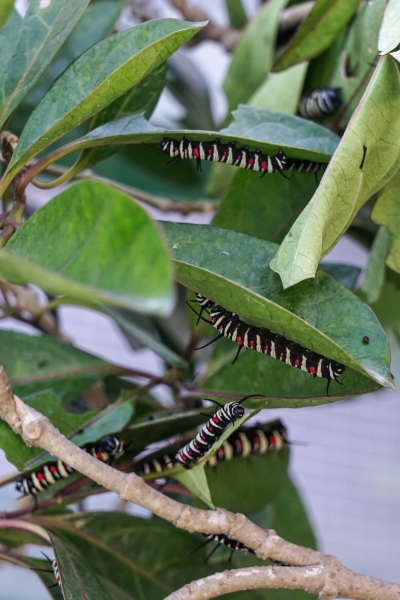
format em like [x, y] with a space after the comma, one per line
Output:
[224, 540]
[107, 449]
[267, 342]
[241, 157]
[320, 102]
[211, 432]
[264, 438]
[54, 570]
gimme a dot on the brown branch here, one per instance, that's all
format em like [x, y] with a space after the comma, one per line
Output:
[326, 574]
[229, 37]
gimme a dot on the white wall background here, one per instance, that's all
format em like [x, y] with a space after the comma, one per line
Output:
[348, 474]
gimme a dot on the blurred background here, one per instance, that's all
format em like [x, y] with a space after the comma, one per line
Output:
[348, 471]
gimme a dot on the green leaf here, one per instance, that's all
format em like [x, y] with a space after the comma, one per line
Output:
[347, 275]
[96, 23]
[41, 34]
[389, 36]
[365, 160]
[374, 278]
[297, 137]
[317, 32]
[386, 212]
[237, 14]
[35, 363]
[89, 427]
[253, 55]
[355, 61]
[266, 212]
[133, 326]
[247, 484]
[145, 558]
[195, 481]
[143, 97]
[9, 39]
[105, 71]
[78, 580]
[100, 246]
[5, 11]
[229, 268]
[290, 519]
[273, 93]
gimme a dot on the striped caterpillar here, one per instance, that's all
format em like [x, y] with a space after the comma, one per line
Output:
[320, 102]
[265, 341]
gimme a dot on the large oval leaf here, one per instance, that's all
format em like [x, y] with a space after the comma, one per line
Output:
[41, 34]
[366, 159]
[229, 268]
[93, 244]
[105, 72]
[259, 128]
[389, 34]
[317, 32]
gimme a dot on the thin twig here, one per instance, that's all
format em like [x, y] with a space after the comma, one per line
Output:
[323, 574]
[165, 205]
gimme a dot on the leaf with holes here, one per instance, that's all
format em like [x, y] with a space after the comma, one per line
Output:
[100, 246]
[366, 159]
[318, 31]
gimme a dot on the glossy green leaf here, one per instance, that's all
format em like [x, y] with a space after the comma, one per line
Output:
[318, 31]
[273, 93]
[389, 33]
[5, 11]
[365, 160]
[142, 98]
[96, 23]
[143, 558]
[229, 268]
[41, 34]
[355, 62]
[9, 39]
[78, 580]
[247, 484]
[253, 55]
[35, 363]
[386, 212]
[195, 481]
[266, 212]
[105, 71]
[297, 137]
[100, 246]
[133, 327]
[374, 278]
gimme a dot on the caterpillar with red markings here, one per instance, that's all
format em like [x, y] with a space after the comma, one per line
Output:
[238, 156]
[226, 415]
[263, 438]
[267, 342]
[107, 449]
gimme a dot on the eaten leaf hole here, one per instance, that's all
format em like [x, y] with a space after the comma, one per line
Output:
[44, 4]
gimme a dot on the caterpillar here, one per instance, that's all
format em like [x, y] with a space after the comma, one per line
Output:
[224, 540]
[265, 341]
[320, 102]
[299, 165]
[211, 432]
[231, 154]
[54, 569]
[263, 438]
[107, 449]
